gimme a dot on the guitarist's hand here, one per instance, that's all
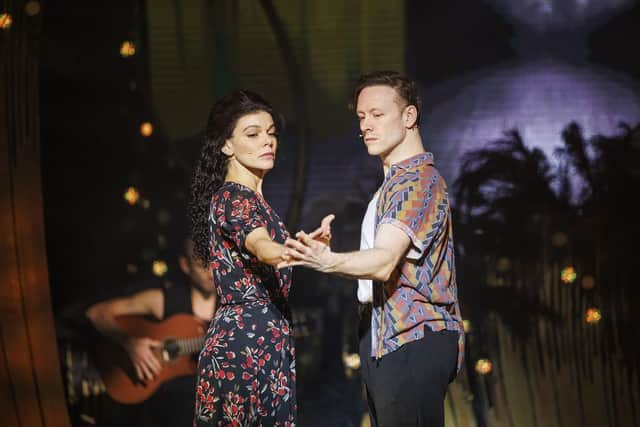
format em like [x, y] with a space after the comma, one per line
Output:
[142, 354]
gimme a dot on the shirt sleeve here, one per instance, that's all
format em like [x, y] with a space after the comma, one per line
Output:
[419, 207]
[242, 215]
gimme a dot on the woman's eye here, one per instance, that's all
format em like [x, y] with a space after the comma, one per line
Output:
[252, 135]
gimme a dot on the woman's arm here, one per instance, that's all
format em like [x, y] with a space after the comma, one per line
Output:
[269, 252]
[259, 243]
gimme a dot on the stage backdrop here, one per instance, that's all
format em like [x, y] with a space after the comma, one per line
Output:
[30, 382]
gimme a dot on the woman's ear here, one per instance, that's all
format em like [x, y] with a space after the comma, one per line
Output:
[227, 150]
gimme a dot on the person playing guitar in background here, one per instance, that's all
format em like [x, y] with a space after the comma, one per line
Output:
[172, 403]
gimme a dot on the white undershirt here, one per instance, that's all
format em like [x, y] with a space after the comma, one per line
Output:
[367, 236]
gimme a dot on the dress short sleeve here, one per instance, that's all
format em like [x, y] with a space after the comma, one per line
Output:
[242, 214]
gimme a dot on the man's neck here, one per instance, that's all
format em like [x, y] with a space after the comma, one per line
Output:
[409, 147]
[199, 294]
[202, 303]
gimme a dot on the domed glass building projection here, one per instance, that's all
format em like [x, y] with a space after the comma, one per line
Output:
[548, 86]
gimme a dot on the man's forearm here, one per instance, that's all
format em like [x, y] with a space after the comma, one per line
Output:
[107, 325]
[375, 264]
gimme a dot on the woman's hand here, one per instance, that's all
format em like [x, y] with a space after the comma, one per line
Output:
[323, 233]
[293, 255]
[307, 252]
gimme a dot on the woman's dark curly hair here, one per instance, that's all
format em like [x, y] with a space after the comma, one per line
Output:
[211, 168]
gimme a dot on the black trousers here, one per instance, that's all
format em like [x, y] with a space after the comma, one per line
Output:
[407, 387]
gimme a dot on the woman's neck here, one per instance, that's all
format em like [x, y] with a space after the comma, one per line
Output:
[244, 176]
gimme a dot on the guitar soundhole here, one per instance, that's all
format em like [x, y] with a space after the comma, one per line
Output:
[170, 351]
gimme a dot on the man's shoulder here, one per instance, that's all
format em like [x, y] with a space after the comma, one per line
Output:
[152, 299]
[419, 176]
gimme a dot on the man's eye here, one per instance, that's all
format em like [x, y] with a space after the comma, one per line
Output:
[377, 114]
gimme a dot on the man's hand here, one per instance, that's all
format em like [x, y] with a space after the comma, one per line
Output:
[142, 354]
[322, 234]
[378, 263]
[307, 252]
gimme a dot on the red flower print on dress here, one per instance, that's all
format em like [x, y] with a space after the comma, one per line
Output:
[246, 368]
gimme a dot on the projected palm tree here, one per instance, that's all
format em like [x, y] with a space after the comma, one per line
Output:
[505, 203]
[520, 221]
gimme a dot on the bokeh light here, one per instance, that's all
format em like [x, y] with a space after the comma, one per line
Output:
[593, 315]
[132, 195]
[484, 366]
[351, 360]
[127, 49]
[159, 268]
[466, 324]
[146, 129]
[568, 275]
[5, 21]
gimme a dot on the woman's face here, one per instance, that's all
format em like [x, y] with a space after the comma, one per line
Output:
[253, 143]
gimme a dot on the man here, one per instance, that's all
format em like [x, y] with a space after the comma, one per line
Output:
[413, 344]
[172, 404]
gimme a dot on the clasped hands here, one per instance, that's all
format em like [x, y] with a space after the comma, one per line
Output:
[311, 250]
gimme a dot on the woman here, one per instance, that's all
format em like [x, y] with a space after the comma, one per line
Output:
[246, 369]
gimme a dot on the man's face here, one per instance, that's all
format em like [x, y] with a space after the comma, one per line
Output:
[200, 276]
[380, 113]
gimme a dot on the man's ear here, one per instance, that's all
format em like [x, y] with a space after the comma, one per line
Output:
[184, 264]
[410, 116]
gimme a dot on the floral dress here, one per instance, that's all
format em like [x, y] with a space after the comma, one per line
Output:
[246, 369]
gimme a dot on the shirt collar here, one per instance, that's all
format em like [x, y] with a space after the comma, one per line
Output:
[412, 162]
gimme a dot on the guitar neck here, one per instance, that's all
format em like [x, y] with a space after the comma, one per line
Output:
[190, 345]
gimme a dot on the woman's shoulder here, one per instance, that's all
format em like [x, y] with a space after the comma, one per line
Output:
[232, 192]
[230, 188]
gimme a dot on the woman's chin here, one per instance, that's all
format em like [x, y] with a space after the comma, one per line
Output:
[262, 168]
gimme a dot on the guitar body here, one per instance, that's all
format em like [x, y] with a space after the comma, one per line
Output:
[181, 334]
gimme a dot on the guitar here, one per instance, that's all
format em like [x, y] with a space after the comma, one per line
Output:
[181, 335]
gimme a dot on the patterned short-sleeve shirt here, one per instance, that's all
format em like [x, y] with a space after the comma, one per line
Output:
[422, 292]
